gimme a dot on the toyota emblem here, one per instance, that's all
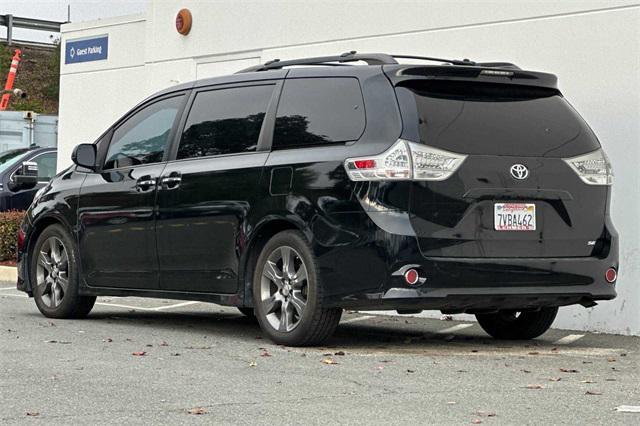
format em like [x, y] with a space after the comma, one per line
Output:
[519, 171]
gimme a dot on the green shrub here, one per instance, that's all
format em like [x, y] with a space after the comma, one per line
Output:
[9, 226]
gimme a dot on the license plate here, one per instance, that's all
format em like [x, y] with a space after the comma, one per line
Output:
[514, 217]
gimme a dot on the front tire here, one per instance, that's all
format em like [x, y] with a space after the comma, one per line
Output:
[288, 293]
[514, 325]
[54, 276]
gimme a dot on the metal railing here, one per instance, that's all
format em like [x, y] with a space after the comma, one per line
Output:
[12, 22]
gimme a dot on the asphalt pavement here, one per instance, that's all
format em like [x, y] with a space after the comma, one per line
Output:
[172, 362]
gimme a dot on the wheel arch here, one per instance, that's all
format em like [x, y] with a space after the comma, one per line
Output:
[263, 232]
[38, 226]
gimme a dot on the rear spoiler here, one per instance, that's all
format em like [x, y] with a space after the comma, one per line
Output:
[485, 74]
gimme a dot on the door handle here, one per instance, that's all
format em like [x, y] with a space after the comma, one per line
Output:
[172, 181]
[145, 182]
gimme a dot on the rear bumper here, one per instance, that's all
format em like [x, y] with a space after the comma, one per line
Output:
[455, 284]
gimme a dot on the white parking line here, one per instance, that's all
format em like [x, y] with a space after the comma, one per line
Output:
[454, 328]
[140, 308]
[177, 305]
[7, 288]
[366, 317]
[566, 340]
[628, 408]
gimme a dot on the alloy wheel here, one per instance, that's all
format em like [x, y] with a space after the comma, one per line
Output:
[283, 288]
[52, 272]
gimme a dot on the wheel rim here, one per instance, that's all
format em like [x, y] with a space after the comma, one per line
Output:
[283, 289]
[52, 272]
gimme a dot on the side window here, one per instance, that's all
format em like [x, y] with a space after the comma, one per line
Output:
[46, 166]
[225, 121]
[142, 138]
[316, 111]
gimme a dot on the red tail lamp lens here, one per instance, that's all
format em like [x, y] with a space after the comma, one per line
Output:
[21, 239]
[365, 164]
[411, 276]
[611, 275]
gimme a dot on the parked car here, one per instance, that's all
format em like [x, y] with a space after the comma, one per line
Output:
[296, 192]
[22, 173]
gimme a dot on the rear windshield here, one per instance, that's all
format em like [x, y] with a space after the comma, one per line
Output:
[493, 119]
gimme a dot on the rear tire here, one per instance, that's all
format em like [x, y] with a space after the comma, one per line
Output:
[54, 276]
[514, 325]
[288, 293]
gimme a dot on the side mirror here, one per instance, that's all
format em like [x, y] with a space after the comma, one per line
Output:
[26, 177]
[84, 155]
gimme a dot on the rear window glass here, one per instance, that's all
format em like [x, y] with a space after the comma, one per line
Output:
[225, 121]
[315, 111]
[493, 119]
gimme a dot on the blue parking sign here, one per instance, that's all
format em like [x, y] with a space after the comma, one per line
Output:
[86, 49]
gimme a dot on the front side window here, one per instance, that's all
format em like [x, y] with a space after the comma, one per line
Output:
[46, 166]
[225, 121]
[142, 138]
[314, 111]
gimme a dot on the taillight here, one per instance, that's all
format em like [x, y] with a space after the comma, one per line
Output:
[403, 161]
[593, 168]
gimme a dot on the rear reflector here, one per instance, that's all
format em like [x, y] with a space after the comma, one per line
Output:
[411, 276]
[611, 275]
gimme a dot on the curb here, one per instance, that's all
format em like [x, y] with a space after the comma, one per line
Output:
[8, 273]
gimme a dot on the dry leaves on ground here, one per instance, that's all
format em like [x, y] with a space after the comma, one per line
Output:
[534, 386]
[329, 361]
[139, 353]
[197, 411]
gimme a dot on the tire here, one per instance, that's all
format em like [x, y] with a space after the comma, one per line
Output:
[247, 312]
[54, 276]
[288, 297]
[514, 325]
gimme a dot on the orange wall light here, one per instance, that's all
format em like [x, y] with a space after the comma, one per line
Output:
[183, 21]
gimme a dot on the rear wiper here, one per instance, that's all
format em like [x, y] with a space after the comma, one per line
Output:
[428, 58]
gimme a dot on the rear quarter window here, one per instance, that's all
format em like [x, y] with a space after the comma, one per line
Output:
[316, 111]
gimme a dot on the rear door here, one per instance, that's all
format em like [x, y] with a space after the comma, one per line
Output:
[516, 139]
[117, 237]
[207, 194]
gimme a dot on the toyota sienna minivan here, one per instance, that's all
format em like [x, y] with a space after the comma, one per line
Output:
[296, 189]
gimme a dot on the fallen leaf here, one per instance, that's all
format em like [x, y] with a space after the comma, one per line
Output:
[587, 381]
[197, 411]
[526, 371]
[476, 421]
[569, 370]
[139, 353]
[555, 379]
[265, 354]
[149, 345]
[611, 360]
[411, 371]
[486, 413]
[589, 392]
[163, 343]
[534, 386]
[32, 413]
[329, 361]
[623, 354]
[175, 354]
[339, 353]
[107, 340]
[253, 364]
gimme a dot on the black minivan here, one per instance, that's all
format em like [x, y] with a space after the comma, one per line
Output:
[296, 189]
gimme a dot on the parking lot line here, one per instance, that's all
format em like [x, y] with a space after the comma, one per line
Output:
[454, 328]
[177, 305]
[117, 305]
[566, 340]
[7, 288]
[366, 317]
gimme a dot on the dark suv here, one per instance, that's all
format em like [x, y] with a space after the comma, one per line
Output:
[295, 192]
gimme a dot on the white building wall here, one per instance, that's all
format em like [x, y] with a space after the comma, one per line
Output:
[593, 47]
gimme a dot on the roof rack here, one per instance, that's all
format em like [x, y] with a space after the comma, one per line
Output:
[369, 58]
